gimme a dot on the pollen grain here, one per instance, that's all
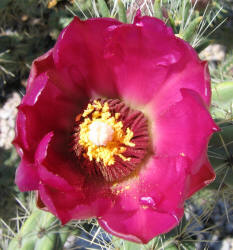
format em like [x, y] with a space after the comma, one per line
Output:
[121, 139]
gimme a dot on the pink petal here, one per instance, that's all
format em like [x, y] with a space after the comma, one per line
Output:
[57, 193]
[194, 76]
[70, 205]
[142, 225]
[184, 129]
[78, 53]
[44, 65]
[151, 65]
[40, 65]
[202, 178]
[116, 56]
[54, 157]
[26, 177]
[139, 60]
[47, 177]
[37, 114]
[149, 204]
[61, 182]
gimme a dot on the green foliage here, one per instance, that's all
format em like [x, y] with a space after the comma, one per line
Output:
[41, 230]
[4, 4]
[158, 10]
[220, 153]
[9, 160]
[187, 34]
[220, 22]
[122, 12]
[103, 8]
[28, 29]
[223, 72]
[221, 144]
[222, 100]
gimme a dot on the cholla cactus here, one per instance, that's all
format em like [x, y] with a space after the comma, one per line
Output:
[40, 231]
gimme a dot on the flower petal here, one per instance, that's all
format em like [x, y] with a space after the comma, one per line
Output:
[194, 76]
[26, 177]
[46, 176]
[151, 65]
[37, 116]
[184, 129]
[73, 204]
[202, 178]
[147, 206]
[62, 182]
[78, 53]
[56, 192]
[39, 66]
[141, 61]
[22, 141]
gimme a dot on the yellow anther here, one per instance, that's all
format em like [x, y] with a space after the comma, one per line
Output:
[114, 145]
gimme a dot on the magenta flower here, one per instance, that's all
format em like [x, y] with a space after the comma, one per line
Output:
[115, 125]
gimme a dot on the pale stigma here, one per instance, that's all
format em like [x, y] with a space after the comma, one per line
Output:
[100, 133]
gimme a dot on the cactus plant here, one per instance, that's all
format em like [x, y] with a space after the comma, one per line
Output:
[41, 230]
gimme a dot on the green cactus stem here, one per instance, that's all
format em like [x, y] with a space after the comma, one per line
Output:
[121, 12]
[103, 8]
[41, 230]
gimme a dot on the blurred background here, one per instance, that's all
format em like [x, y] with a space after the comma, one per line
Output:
[29, 28]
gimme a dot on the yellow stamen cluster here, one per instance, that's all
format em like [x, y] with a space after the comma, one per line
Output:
[115, 147]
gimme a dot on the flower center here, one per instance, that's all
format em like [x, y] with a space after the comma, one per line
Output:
[104, 139]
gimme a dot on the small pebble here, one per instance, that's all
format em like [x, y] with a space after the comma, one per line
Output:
[7, 120]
